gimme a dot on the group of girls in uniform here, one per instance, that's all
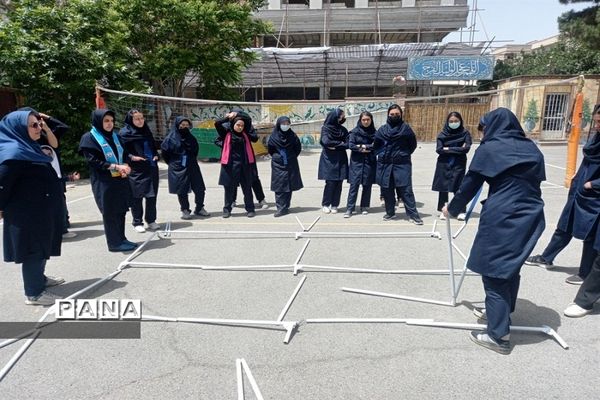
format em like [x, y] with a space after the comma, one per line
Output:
[383, 156]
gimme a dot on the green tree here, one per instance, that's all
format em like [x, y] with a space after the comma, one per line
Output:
[55, 52]
[204, 40]
[584, 25]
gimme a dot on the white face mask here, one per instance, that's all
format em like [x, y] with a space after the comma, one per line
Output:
[284, 128]
[454, 125]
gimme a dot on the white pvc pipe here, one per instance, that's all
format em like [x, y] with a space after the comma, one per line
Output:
[240, 379]
[363, 234]
[291, 299]
[451, 260]
[313, 224]
[458, 232]
[380, 271]
[459, 251]
[396, 296]
[93, 285]
[139, 249]
[218, 321]
[255, 387]
[359, 320]
[157, 318]
[18, 355]
[301, 226]
[302, 252]
[17, 338]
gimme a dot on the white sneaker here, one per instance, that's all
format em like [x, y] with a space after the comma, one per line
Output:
[442, 217]
[153, 226]
[54, 281]
[139, 228]
[234, 204]
[186, 214]
[574, 311]
[461, 217]
[69, 235]
[326, 209]
[44, 299]
[263, 204]
[334, 210]
[365, 211]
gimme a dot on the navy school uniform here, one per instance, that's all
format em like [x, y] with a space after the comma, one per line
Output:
[180, 151]
[237, 159]
[112, 194]
[394, 146]
[451, 164]
[512, 217]
[363, 164]
[333, 162]
[143, 178]
[284, 148]
[31, 199]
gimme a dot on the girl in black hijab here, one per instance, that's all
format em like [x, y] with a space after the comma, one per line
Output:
[333, 164]
[453, 144]
[363, 163]
[106, 157]
[30, 203]
[511, 222]
[394, 143]
[138, 141]
[180, 150]
[284, 147]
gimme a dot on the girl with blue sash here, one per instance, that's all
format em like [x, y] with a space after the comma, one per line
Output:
[31, 204]
[105, 156]
[138, 141]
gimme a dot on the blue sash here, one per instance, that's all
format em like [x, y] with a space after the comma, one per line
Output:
[109, 154]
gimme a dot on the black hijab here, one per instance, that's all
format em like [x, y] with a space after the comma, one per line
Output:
[504, 145]
[131, 133]
[280, 138]
[88, 141]
[332, 126]
[591, 150]
[180, 141]
[394, 131]
[453, 137]
[368, 132]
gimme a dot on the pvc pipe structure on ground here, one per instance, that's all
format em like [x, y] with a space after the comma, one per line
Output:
[18, 355]
[397, 296]
[253, 383]
[513, 328]
[291, 299]
[240, 379]
[451, 261]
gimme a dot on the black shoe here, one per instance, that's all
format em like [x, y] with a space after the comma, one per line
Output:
[483, 339]
[388, 217]
[250, 214]
[539, 261]
[130, 243]
[574, 280]
[122, 248]
[416, 220]
[226, 214]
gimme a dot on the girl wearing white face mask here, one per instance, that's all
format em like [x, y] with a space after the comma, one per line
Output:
[453, 144]
[284, 147]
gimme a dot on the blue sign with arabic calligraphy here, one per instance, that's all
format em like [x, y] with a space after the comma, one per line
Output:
[450, 68]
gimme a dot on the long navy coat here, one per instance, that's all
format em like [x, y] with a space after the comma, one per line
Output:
[180, 152]
[451, 164]
[284, 148]
[333, 163]
[143, 178]
[363, 165]
[581, 212]
[238, 167]
[31, 197]
[512, 218]
[111, 194]
[393, 147]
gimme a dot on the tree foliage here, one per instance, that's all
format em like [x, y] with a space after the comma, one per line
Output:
[207, 39]
[55, 54]
[584, 25]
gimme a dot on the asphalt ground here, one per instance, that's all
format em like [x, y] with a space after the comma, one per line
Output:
[322, 361]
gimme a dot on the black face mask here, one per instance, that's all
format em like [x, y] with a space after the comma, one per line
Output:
[185, 131]
[342, 120]
[395, 120]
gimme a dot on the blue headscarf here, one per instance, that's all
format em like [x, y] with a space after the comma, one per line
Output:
[504, 145]
[15, 143]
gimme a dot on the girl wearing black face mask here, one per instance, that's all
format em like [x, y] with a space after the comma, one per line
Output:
[105, 156]
[333, 164]
[180, 151]
[394, 143]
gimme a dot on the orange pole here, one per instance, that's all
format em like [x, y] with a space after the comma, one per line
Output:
[99, 99]
[573, 143]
